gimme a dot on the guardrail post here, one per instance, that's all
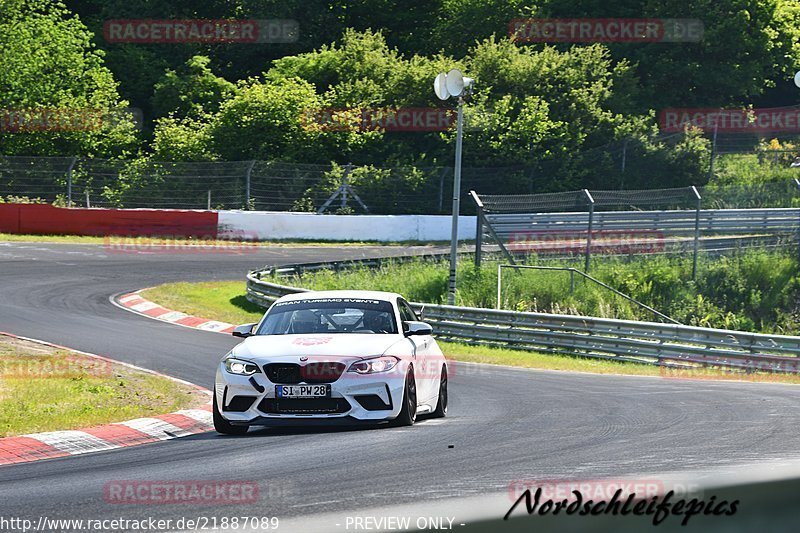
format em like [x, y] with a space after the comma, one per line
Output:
[714, 146]
[442, 175]
[589, 230]
[698, 201]
[478, 229]
[345, 186]
[69, 181]
[247, 184]
[499, 270]
[797, 184]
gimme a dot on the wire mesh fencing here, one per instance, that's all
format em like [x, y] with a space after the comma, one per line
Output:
[255, 185]
[680, 220]
[282, 186]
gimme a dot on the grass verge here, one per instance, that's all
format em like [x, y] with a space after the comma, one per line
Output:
[47, 389]
[168, 241]
[218, 300]
[224, 300]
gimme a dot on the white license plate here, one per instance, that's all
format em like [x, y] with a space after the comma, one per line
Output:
[302, 391]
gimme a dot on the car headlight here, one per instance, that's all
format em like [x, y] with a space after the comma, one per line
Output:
[240, 367]
[372, 366]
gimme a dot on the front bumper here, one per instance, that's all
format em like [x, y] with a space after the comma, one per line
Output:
[251, 400]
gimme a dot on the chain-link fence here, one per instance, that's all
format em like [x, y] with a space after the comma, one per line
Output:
[279, 186]
[680, 220]
[258, 185]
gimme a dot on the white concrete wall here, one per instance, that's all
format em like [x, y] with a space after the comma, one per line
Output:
[268, 225]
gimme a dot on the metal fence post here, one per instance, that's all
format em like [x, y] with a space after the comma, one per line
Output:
[797, 184]
[499, 284]
[698, 201]
[714, 146]
[347, 170]
[442, 175]
[589, 230]
[624, 156]
[478, 229]
[247, 184]
[209, 200]
[69, 180]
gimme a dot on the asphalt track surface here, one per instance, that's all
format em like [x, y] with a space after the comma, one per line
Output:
[504, 424]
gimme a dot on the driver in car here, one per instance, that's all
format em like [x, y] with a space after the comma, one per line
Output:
[377, 322]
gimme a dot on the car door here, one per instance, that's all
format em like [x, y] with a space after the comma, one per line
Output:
[422, 343]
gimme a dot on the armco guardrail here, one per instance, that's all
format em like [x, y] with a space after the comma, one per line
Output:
[646, 231]
[625, 340]
[675, 222]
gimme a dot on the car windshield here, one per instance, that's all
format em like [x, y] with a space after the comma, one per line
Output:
[329, 315]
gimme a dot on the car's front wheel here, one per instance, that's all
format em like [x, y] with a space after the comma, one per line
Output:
[408, 412]
[223, 426]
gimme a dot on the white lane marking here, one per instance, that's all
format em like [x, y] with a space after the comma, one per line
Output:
[115, 303]
[172, 316]
[213, 325]
[197, 414]
[144, 306]
[156, 428]
[73, 442]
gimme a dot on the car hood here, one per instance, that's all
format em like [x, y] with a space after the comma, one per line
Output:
[339, 346]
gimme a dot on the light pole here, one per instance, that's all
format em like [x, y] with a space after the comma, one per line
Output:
[446, 85]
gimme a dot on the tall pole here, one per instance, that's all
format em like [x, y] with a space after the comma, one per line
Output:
[698, 202]
[714, 148]
[69, 180]
[451, 294]
[247, 184]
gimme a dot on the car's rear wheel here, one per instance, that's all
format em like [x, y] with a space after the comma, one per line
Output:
[223, 426]
[441, 406]
[408, 413]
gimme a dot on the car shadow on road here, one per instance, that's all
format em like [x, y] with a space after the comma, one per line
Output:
[264, 432]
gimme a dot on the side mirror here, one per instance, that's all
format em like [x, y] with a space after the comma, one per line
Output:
[411, 327]
[243, 331]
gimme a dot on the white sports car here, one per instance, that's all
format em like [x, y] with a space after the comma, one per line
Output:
[331, 357]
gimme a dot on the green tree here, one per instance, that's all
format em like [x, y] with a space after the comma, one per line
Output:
[463, 23]
[192, 91]
[270, 120]
[49, 62]
[747, 46]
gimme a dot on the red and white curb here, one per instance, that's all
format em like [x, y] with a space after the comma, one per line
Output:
[134, 302]
[51, 444]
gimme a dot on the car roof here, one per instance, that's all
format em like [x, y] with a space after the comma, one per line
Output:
[374, 295]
